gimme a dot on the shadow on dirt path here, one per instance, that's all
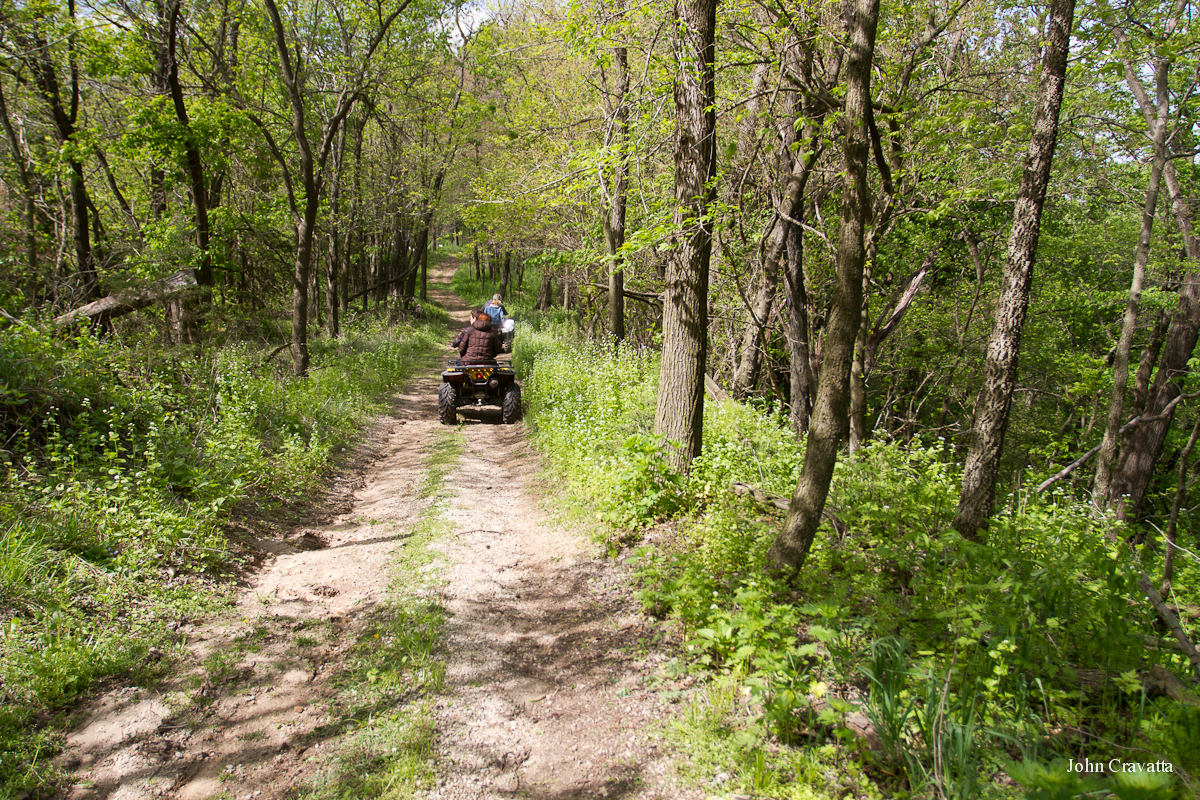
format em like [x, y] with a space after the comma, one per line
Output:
[546, 693]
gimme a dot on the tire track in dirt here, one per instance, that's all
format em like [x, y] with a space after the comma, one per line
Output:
[546, 688]
[550, 660]
[547, 691]
[245, 719]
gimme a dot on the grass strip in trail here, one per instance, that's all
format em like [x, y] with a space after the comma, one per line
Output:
[383, 703]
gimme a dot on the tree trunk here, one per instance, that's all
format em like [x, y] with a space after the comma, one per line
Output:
[858, 374]
[1000, 371]
[545, 297]
[617, 135]
[1141, 257]
[1140, 451]
[192, 313]
[748, 353]
[334, 268]
[29, 209]
[679, 413]
[36, 56]
[505, 274]
[749, 360]
[1176, 504]
[797, 331]
[1142, 447]
[790, 549]
[1141, 380]
[312, 164]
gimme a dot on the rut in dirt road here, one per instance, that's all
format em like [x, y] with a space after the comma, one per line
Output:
[548, 654]
[548, 659]
[546, 694]
[250, 717]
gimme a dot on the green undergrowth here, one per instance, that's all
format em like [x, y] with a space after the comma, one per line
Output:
[383, 698]
[966, 661]
[122, 465]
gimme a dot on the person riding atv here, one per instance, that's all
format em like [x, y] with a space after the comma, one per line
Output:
[478, 343]
[476, 378]
[506, 327]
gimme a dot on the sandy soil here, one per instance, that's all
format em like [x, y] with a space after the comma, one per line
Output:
[550, 663]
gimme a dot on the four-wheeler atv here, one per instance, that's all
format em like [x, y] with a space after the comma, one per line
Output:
[492, 384]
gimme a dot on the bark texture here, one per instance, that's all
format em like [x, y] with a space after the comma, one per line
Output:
[790, 549]
[679, 413]
[1116, 401]
[1140, 450]
[617, 138]
[1000, 371]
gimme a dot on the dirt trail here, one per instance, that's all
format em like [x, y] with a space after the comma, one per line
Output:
[546, 693]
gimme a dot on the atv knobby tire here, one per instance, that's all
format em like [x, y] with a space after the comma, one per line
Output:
[447, 405]
[511, 409]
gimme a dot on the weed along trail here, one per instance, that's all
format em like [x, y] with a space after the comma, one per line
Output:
[429, 632]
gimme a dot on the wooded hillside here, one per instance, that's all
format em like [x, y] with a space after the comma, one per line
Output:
[962, 230]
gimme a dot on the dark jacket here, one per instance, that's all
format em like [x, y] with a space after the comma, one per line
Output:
[480, 343]
[461, 335]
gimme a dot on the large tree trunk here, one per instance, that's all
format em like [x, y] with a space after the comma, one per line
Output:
[1141, 448]
[1143, 445]
[1000, 371]
[790, 549]
[1141, 380]
[1141, 257]
[679, 413]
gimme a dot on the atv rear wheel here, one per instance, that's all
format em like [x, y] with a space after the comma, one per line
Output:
[511, 408]
[447, 405]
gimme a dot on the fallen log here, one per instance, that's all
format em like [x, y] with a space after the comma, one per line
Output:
[1157, 682]
[782, 503]
[759, 496]
[1167, 683]
[1170, 619]
[642, 297]
[124, 302]
[714, 390]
